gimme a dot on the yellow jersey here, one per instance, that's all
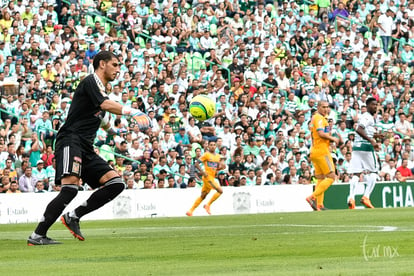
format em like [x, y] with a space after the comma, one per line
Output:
[211, 162]
[319, 144]
[48, 75]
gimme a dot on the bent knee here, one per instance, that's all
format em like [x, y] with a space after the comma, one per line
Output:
[108, 176]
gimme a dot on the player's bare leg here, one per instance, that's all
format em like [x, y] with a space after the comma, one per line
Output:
[219, 192]
[197, 202]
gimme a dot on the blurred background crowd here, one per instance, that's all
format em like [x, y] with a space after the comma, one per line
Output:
[265, 63]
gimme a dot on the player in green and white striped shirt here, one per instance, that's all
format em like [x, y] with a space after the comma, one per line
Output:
[364, 159]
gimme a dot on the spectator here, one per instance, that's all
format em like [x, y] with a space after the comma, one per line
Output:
[161, 168]
[148, 184]
[385, 23]
[389, 168]
[403, 126]
[251, 148]
[237, 165]
[5, 184]
[13, 189]
[193, 131]
[44, 126]
[27, 182]
[48, 156]
[171, 182]
[9, 167]
[130, 184]
[40, 173]
[182, 139]
[23, 165]
[317, 61]
[50, 174]
[404, 170]
[40, 187]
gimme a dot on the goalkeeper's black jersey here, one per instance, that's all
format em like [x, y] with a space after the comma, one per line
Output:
[85, 115]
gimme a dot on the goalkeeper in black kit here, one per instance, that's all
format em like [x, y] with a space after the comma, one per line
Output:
[75, 156]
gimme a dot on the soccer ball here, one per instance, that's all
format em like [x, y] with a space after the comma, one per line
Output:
[202, 107]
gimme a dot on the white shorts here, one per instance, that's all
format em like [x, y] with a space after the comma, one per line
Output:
[362, 161]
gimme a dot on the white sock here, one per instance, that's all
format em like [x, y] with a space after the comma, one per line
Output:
[72, 214]
[371, 179]
[352, 186]
[35, 236]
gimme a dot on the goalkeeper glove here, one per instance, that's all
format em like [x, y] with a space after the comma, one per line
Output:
[140, 118]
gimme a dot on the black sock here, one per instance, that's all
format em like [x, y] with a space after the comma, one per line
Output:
[102, 196]
[55, 208]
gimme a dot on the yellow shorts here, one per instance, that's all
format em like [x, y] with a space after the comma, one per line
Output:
[209, 182]
[323, 164]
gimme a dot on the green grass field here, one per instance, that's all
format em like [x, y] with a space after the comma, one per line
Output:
[358, 242]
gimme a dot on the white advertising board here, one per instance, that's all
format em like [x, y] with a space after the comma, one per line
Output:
[29, 207]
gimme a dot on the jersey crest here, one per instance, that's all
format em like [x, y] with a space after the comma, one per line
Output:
[212, 164]
[100, 114]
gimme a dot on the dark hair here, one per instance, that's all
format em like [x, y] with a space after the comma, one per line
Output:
[102, 55]
[117, 122]
[286, 178]
[370, 100]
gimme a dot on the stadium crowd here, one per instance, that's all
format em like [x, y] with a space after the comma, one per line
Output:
[265, 63]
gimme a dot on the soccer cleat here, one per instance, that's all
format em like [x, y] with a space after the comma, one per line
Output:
[312, 203]
[322, 208]
[207, 207]
[41, 241]
[367, 202]
[189, 213]
[351, 204]
[73, 225]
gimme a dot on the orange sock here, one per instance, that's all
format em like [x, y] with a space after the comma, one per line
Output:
[322, 187]
[196, 203]
[319, 199]
[213, 198]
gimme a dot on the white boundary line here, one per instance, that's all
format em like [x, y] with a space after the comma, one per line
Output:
[117, 231]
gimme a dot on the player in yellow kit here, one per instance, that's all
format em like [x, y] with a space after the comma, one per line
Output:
[320, 155]
[211, 162]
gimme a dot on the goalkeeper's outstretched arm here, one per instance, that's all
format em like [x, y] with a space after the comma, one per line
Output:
[142, 120]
